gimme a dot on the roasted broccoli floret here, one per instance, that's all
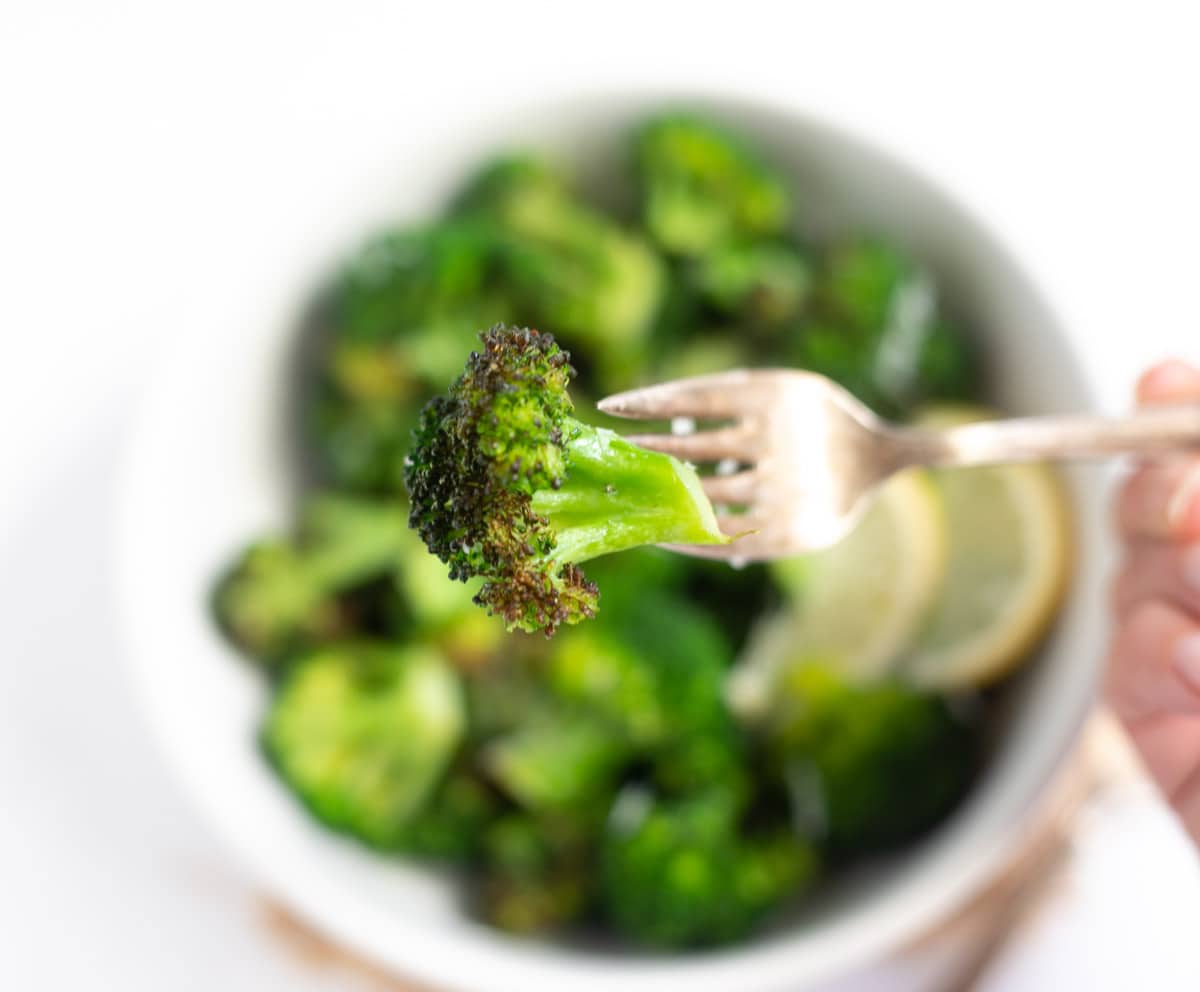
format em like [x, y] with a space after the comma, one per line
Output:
[558, 759]
[506, 484]
[759, 282]
[702, 187]
[283, 594]
[653, 668]
[686, 873]
[363, 732]
[537, 871]
[451, 825]
[869, 767]
[878, 329]
[573, 268]
[402, 316]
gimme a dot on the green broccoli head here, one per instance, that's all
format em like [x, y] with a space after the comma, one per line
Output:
[869, 767]
[685, 873]
[402, 315]
[701, 187]
[283, 594]
[362, 732]
[654, 668]
[450, 827]
[537, 872]
[507, 485]
[765, 282]
[558, 759]
[878, 329]
[572, 267]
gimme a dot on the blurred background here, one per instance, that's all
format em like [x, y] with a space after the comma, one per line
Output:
[154, 153]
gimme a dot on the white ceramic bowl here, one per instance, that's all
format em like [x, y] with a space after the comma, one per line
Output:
[208, 468]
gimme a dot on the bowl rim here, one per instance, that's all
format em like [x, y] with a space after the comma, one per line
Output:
[445, 958]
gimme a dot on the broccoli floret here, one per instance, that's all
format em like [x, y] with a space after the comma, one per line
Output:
[760, 282]
[878, 330]
[869, 767]
[284, 594]
[362, 733]
[402, 316]
[560, 759]
[451, 826]
[716, 756]
[654, 668]
[684, 873]
[537, 874]
[573, 267]
[701, 187]
[506, 484]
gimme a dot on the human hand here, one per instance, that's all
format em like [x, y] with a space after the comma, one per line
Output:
[1153, 679]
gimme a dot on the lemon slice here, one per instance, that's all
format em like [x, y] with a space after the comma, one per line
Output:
[858, 604]
[1010, 555]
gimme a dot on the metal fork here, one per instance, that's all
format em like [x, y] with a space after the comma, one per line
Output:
[797, 457]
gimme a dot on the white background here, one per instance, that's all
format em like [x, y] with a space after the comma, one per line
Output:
[152, 153]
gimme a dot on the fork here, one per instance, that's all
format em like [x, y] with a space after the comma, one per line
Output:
[797, 457]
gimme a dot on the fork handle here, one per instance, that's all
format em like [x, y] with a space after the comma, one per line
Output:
[1151, 431]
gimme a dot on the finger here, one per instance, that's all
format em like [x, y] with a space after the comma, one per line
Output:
[1156, 570]
[1154, 666]
[1186, 800]
[1169, 747]
[1161, 501]
[1173, 381]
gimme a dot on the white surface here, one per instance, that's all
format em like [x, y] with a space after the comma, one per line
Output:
[148, 152]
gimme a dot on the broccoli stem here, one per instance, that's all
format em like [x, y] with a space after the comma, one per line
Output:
[617, 496]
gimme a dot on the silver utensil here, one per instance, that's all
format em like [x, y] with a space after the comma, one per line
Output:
[798, 457]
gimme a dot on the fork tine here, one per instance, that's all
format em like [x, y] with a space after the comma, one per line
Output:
[737, 488]
[723, 395]
[705, 446]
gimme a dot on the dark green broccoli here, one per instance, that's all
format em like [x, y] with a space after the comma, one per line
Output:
[759, 282]
[685, 873]
[363, 732]
[702, 187]
[537, 871]
[574, 268]
[506, 484]
[400, 321]
[878, 330]
[557, 759]
[869, 767]
[451, 825]
[283, 594]
[712, 757]
[654, 668]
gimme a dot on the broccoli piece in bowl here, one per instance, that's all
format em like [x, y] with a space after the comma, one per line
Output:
[284, 594]
[761, 282]
[537, 874]
[653, 666]
[400, 319]
[573, 268]
[506, 484]
[878, 329]
[869, 767]
[451, 825]
[557, 759]
[702, 187]
[363, 732]
[686, 873]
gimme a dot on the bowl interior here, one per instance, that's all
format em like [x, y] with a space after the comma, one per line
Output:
[210, 467]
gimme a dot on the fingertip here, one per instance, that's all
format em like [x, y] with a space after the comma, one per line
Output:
[1155, 662]
[1185, 656]
[1171, 381]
